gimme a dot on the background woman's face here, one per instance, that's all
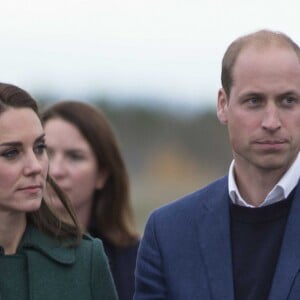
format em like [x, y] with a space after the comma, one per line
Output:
[73, 164]
[23, 161]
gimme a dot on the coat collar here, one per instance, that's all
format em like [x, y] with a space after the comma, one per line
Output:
[36, 240]
[288, 264]
[215, 243]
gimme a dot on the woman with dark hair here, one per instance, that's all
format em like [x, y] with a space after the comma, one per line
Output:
[42, 256]
[86, 163]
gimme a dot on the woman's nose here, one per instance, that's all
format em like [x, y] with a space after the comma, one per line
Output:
[33, 165]
[56, 166]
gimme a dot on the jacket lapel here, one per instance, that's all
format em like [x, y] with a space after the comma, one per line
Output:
[215, 243]
[289, 260]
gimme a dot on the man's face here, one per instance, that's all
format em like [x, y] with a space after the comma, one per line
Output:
[263, 109]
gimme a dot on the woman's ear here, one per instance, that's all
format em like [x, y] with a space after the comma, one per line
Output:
[101, 180]
[222, 107]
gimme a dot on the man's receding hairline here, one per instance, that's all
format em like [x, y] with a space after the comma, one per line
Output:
[264, 40]
[262, 46]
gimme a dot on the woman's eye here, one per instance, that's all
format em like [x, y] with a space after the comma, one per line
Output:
[10, 154]
[76, 156]
[50, 152]
[40, 149]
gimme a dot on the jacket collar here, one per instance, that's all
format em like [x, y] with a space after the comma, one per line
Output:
[214, 239]
[288, 264]
[36, 240]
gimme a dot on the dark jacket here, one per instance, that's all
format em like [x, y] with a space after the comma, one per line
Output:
[58, 272]
[122, 261]
[185, 252]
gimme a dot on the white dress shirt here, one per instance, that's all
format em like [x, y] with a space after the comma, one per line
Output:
[279, 192]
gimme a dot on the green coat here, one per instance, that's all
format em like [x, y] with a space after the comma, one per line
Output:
[56, 272]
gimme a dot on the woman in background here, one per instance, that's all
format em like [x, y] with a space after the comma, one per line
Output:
[41, 255]
[86, 163]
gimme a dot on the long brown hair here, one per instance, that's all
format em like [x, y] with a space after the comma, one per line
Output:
[111, 213]
[44, 218]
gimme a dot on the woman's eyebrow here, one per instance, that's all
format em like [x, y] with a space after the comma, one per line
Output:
[18, 143]
[12, 143]
[41, 137]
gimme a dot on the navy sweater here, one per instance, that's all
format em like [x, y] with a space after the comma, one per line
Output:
[256, 237]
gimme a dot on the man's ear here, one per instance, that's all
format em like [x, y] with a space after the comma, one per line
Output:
[222, 107]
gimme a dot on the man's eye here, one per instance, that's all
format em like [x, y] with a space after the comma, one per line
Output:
[253, 101]
[289, 100]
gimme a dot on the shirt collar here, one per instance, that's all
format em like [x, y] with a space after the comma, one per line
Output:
[279, 192]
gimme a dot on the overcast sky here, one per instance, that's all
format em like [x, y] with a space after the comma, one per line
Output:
[165, 50]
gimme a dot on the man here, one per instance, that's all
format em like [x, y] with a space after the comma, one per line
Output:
[239, 237]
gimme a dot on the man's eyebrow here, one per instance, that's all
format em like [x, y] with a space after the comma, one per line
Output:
[251, 94]
[290, 93]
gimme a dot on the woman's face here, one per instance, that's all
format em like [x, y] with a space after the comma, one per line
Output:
[23, 161]
[73, 164]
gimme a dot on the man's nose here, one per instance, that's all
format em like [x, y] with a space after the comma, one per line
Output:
[271, 118]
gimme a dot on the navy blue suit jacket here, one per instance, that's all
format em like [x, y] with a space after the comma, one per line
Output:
[185, 253]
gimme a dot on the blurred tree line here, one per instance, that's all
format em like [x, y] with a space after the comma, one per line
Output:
[168, 153]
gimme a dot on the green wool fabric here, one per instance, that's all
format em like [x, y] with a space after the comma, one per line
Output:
[44, 269]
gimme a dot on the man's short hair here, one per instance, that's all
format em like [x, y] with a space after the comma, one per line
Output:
[261, 38]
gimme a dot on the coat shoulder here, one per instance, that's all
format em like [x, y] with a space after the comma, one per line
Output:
[195, 201]
[90, 245]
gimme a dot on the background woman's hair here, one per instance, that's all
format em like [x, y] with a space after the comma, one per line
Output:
[111, 215]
